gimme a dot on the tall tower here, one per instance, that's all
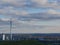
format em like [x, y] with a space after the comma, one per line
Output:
[10, 28]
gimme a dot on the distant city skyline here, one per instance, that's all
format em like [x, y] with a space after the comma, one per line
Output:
[30, 16]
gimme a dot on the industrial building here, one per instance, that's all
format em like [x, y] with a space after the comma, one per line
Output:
[14, 37]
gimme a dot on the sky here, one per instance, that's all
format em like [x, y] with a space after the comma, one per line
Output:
[30, 16]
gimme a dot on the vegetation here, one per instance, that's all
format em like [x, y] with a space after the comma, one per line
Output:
[23, 42]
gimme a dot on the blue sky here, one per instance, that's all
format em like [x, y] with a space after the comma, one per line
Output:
[30, 16]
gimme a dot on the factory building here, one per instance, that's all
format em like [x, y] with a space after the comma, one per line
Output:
[18, 37]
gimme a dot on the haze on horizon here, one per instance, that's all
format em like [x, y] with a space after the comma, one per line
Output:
[30, 16]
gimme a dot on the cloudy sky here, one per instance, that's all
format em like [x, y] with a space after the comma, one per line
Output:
[30, 16]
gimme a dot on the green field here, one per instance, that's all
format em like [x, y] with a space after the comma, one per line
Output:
[23, 42]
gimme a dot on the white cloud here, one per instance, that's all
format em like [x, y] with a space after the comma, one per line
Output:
[52, 11]
[45, 4]
[40, 1]
[16, 3]
[10, 11]
[31, 3]
[31, 26]
[5, 19]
